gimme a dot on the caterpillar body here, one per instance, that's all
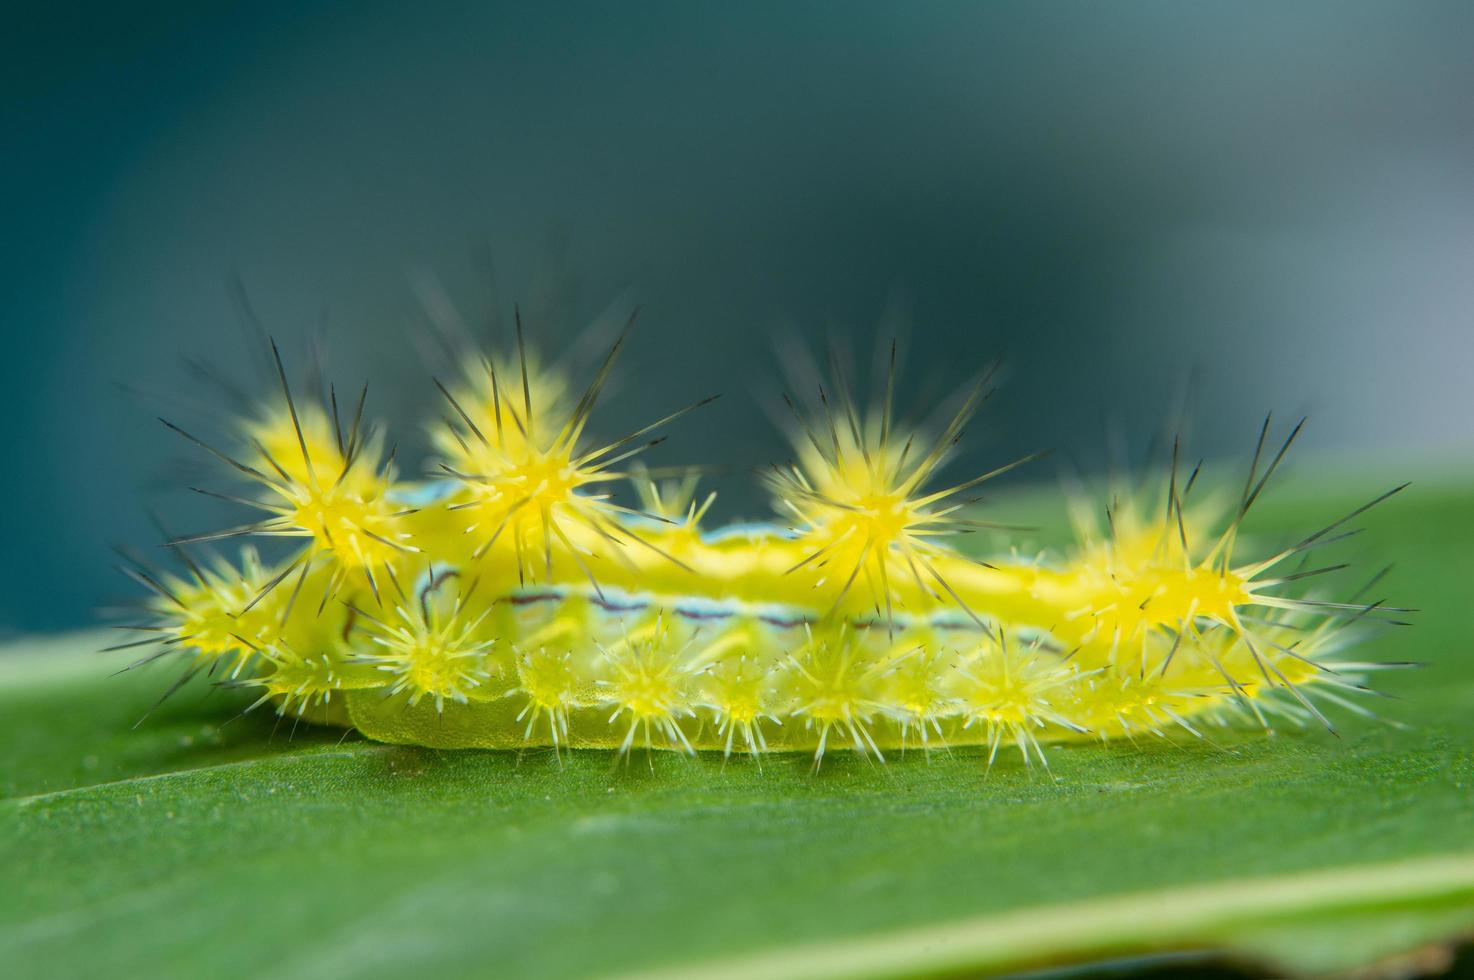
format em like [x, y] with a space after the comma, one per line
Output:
[510, 602]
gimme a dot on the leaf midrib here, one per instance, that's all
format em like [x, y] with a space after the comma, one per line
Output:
[1101, 925]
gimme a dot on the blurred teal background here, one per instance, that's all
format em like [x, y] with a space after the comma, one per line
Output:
[1279, 197]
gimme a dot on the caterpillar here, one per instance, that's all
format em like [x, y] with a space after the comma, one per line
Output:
[510, 601]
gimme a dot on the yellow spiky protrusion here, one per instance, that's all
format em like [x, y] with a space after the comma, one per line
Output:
[550, 682]
[1142, 572]
[432, 645]
[738, 692]
[319, 485]
[1014, 692]
[517, 604]
[297, 683]
[918, 695]
[531, 483]
[835, 690]
[859, 493]
[648, 685]
[216, 615]
[332, 493]
[1151, 572]
[674, 503]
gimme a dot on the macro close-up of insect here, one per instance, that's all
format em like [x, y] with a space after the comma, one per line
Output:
[706, 491]
[514, 588]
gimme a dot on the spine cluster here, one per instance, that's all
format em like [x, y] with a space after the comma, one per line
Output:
[511, 601]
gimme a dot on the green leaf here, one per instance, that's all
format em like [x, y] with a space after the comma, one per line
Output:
[184, 848]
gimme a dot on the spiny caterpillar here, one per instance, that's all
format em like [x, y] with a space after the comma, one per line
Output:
[511, 602]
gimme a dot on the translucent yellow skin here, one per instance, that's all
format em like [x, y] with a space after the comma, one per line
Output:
[744, 579]
[513, 605]
[735, 652]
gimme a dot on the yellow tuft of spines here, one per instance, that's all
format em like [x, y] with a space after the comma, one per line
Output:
[317, 483]
[216, 615]
[836, 690]
[918, 695]
[334, 494]
[736, 689]
[532, 483]
[431, 644]
[551, 684]
[865, 511]
[648, 685]
[1015, 692]
[300, 683]
[515, 602]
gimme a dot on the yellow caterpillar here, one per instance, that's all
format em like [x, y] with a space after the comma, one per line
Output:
[511, 602]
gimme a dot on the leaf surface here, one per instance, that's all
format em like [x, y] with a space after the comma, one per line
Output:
[188, 848]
